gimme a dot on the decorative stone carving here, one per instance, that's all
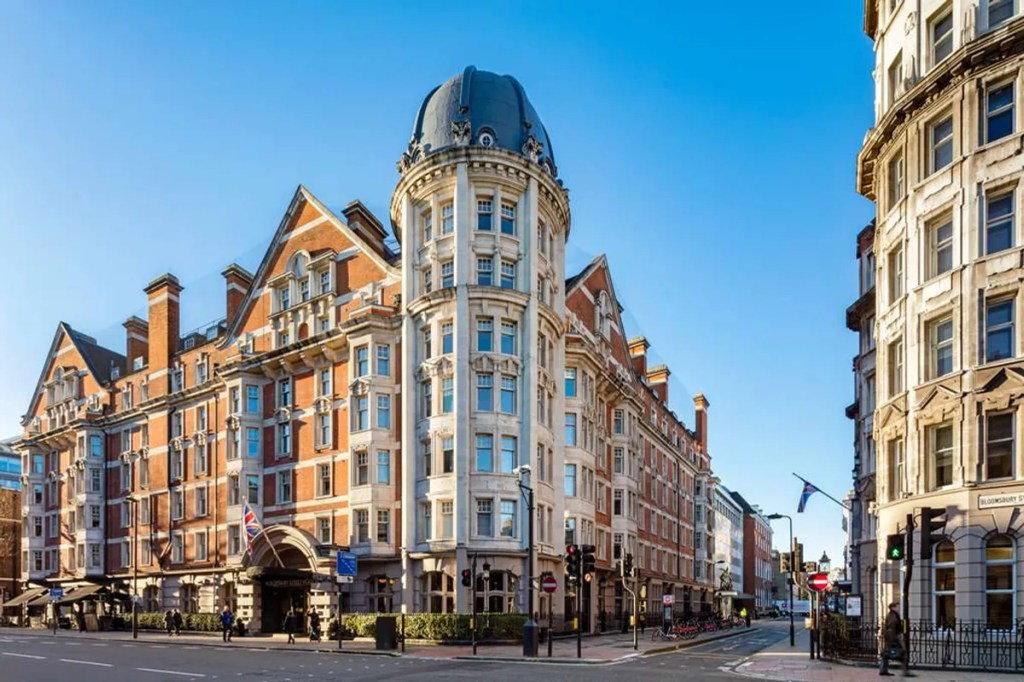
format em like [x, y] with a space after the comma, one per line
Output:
[283, 414]
[910, 24]
[533, 148]
[322, 405]
[461, 132]
[233, 423]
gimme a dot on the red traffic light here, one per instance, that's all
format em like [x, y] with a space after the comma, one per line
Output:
[571, 550]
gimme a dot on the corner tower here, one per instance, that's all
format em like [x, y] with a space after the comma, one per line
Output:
[482, 219]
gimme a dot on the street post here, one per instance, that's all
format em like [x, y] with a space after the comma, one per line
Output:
[792, 561]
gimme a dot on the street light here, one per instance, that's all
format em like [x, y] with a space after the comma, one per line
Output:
[792, 557]
[135, 566]
[530, 638]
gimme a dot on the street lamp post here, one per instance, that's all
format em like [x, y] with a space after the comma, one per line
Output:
[530, 638]
[792, 557]
[135, 566]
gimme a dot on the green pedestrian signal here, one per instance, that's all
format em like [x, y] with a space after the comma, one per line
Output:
[896, 547]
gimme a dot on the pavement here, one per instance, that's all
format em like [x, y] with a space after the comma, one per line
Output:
[793, 664]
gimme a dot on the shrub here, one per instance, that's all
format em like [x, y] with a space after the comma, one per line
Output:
[443, 627]
[196, 622]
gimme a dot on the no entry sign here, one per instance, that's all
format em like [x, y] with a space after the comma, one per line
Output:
[549, 583]
[817, 581]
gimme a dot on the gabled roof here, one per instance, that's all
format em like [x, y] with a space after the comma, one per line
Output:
[600, 261]
[99, 361]
[301, 195]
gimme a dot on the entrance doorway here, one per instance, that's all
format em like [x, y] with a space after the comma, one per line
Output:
[276, 599]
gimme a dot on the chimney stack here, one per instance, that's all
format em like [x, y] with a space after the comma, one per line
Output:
[657, 379]
[701, 404]
[137, 342]
[164, 324]
[638, 354]
[237, 281]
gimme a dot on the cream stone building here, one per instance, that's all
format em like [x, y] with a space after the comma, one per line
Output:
[943, 164]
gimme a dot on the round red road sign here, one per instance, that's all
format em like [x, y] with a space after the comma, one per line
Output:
[817, 581]
[549, 583]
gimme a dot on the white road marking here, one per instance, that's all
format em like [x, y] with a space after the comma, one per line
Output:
[72, 643]
[38, 658]
[99, 644]
[102, 665]
[170, 672]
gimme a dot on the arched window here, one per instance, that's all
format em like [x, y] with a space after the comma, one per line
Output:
[1000, 556]
[497, 594]
[438, 592]
[944, 584]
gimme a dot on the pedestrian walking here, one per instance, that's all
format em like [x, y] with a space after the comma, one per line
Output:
[643, 622]
[169, 622]
[289, 625]
[314, 626]
[745, 615]
[892, 645]
[177, 623]
[226, 619]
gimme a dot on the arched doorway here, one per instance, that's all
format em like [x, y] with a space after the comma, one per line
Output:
[282, 565]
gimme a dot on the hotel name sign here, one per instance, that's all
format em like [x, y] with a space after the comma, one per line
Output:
[1001, 500]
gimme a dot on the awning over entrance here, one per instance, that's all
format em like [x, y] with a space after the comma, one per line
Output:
[25, 597]
[80, 593]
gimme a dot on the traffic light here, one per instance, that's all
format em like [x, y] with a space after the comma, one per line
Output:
[798, 556]
[895, 547]
[572, 561]
[933, 530]
[467, 577]
[588, 559]
[627, 566]
[784, 565]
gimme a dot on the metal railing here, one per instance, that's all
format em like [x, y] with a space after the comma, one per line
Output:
[961, 645]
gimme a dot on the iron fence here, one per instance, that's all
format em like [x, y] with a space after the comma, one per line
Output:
[960, 645]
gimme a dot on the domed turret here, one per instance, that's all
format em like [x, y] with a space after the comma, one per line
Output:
[483, 109]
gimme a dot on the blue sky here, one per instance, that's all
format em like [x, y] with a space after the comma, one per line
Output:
[709, 149]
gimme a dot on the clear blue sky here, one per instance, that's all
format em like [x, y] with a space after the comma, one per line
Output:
[709, 151]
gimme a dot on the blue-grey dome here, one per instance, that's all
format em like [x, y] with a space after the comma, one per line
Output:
[479, 108]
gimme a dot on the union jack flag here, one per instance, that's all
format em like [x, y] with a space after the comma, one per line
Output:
[808, 490]
[251, 523]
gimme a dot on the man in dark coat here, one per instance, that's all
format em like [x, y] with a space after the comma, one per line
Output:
[289, 625]
[226, 620]
[892, 641]
[177, 622]
[169, 622]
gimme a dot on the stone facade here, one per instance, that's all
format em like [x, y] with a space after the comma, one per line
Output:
[392, 404]
[943, 165]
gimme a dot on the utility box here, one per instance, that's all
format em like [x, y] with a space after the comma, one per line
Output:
[386, 633]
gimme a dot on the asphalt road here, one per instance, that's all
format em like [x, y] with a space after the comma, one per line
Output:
[28, 658]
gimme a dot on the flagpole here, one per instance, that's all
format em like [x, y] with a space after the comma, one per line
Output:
[817, 489]
[263, 530]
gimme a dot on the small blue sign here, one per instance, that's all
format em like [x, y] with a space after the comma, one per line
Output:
[56, 593]
[347, 563]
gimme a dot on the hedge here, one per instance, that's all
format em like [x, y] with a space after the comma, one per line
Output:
[442, 627]
[198, 622]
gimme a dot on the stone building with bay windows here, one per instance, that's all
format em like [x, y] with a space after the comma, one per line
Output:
[943, 165]
[357, 396]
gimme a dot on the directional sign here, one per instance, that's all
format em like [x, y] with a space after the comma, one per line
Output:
[56, 593]
[347, 564]
[818, 581]
[549, 583]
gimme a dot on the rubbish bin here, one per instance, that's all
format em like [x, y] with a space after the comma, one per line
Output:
[386, 633]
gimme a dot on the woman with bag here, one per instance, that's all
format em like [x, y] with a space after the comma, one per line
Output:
[892, 644]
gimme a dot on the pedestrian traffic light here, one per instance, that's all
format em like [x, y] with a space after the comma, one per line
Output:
[572, 561]
[933, 530]
[627, 566]
[467, 577]
[589, 560]
[895, 547]
[784, 565]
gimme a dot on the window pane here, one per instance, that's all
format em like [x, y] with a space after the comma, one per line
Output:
[999, 607]
[999, 549]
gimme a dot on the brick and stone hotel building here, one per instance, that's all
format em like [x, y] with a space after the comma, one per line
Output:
[386, 402]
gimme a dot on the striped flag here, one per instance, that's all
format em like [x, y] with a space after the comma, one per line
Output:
[809, 490]
[251, 523]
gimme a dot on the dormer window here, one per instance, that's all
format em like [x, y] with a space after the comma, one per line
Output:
[486, 138]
